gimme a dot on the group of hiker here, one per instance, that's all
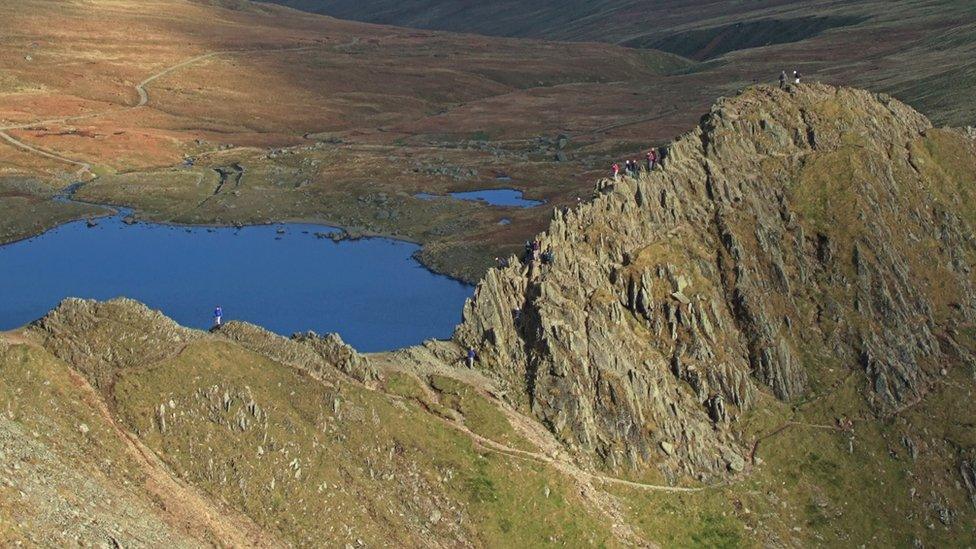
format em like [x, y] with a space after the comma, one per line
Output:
[534, 253]
[653, 158]
[784, 79]
[633, 168]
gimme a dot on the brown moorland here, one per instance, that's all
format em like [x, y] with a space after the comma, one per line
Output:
[146, 99]
[343, 122]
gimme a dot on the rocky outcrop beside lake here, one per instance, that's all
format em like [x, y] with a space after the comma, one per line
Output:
[790, 236]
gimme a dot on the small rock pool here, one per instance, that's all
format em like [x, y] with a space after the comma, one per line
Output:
[494, 197]
[282, 277]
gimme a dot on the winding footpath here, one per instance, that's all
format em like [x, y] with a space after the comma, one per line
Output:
[141, 92]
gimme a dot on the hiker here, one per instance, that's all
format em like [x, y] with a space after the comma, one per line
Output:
[635, 165]
[796, 77]
[782, 80]
[547, 257]
[471, 356]
[536, 249]
[651, 159]
[218, 316]
[616, 171]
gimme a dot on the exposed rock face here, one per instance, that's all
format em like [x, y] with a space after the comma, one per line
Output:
[789, 232]
[340, 355]
[967, 470]
[318, 355]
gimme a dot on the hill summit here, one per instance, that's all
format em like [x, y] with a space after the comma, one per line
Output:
[794, 237]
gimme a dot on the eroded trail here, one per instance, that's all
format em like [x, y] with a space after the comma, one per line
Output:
[141, 86]
[180, 505]
[549, 450]
[186, 506]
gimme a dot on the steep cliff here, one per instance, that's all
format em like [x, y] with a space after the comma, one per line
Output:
[791, 233]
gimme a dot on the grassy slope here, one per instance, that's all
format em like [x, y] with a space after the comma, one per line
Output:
[66, 474]
[379, 468]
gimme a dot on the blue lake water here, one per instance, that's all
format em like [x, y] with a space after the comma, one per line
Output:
[372, 292]
[493, 197]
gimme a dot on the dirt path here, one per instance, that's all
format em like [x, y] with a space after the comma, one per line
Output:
[184, 506]
[141, 86]
[83, 167]
[550, 451]
[15, 337]
[181, 505]
[142, 93]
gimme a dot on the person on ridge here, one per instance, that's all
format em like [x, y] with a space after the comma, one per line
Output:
[218, 316]
[782, 80]
[796, 77]
[651, 159]
[471, 356]
[616, 171]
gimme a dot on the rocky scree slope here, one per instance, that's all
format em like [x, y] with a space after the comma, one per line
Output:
[790, 233]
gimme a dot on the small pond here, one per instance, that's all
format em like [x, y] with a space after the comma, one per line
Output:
[493, 197]
[282, 277]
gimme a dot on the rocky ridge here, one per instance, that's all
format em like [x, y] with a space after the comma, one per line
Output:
[100, 339]
[790, 231]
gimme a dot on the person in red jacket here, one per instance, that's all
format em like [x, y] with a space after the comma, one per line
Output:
[616, 171]
[651, 159]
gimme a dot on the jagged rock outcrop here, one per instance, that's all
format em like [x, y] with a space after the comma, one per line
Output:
[317, 355]
[967, 470]
[340, 355]
[791, 231]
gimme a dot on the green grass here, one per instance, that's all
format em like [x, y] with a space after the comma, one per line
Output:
[384, 464]
[480, 415]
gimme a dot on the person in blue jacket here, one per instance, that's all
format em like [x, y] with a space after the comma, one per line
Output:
[218, 315]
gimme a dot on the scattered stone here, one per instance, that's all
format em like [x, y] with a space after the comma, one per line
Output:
[736, 463]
